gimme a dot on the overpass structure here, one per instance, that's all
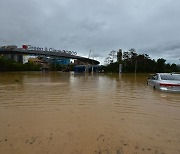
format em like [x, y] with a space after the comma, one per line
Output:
[20, 51]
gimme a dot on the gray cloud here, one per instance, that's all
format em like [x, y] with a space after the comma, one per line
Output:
[99, 25]
[169, 51]
[171, 46]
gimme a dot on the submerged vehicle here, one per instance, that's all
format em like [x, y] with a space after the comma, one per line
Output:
[169, 82]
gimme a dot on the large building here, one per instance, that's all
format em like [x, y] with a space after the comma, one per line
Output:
[25, 58]
[49, 56]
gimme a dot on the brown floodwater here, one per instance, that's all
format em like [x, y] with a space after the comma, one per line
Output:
[67, 113]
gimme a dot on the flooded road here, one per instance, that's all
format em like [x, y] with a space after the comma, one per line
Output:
[66, 113]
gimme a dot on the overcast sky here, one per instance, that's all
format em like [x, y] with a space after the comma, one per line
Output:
[149, 26]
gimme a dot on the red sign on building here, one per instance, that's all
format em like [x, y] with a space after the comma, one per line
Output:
[25, 47]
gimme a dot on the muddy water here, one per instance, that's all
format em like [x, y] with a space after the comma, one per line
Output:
[65, 113]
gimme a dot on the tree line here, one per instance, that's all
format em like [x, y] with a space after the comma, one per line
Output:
[131, 62]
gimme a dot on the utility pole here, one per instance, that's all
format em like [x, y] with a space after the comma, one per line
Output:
[91, 54]
[119, 58]
[92, 65]
[135, 66]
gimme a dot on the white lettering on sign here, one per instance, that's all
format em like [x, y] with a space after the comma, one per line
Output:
[30, 47]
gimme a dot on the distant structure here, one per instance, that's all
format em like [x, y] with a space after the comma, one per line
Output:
[14, 57]
[86, 68]
[36, 61]
[13, 52]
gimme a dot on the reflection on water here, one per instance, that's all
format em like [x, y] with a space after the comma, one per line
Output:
[80, 113]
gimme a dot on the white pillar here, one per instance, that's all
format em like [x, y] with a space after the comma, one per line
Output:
[120, 68]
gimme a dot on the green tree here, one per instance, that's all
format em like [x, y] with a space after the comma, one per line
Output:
[160, 66]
